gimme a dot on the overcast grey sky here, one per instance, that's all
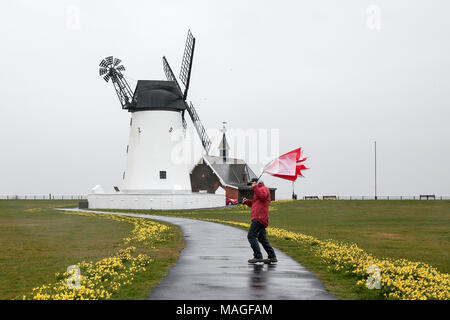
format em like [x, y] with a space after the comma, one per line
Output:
[332, 76]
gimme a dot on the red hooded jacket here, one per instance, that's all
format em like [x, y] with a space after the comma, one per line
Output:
[260, 204]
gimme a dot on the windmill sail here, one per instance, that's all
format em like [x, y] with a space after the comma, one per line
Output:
[186, 65]
[185, 75]
[169, 74]
[206, 142]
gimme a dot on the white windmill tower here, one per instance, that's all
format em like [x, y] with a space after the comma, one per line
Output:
[157, 114]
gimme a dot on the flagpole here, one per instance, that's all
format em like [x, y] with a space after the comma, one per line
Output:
[375, 170]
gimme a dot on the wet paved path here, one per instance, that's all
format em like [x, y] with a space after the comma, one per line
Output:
[213, 266]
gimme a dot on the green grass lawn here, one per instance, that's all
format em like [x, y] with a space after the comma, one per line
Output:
[37, 241]
[413, 230]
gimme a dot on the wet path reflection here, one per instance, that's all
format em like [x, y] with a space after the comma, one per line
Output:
[213, 265]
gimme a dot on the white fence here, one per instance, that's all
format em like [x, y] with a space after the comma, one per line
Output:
[418, 197]
[306, 197]
[43, 197]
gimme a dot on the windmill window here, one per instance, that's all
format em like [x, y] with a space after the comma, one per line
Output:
[162, 175]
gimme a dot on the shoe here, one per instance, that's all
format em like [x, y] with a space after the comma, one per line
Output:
[255, 260]
[273, 259]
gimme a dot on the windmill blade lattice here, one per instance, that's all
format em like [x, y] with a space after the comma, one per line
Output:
[169, 73]
[107, 77]
[187, 58]
[186, 65]
[111, 69]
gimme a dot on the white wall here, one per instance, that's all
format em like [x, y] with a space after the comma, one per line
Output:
[156, 201]
[156, 144]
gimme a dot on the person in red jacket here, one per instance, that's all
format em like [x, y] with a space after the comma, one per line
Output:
[260, 220]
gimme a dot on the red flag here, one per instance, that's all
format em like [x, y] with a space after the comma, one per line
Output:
[288, 166]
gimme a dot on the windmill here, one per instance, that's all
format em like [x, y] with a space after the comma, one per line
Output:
[158, 108]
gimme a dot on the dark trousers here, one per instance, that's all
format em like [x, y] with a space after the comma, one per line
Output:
[257, 232]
